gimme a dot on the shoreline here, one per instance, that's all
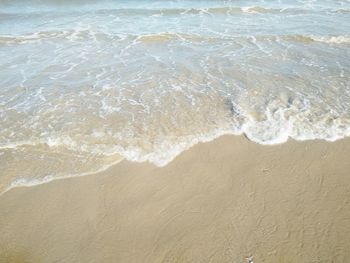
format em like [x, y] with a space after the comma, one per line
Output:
[227, 200]
[206, 139]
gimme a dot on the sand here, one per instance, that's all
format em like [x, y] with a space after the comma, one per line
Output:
[229, 200]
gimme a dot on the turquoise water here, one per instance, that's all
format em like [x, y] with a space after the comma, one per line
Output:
[85, 84]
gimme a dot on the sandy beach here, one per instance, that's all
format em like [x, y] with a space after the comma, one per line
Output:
[229, 200]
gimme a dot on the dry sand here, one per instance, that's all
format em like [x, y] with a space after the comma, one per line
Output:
[229, 200]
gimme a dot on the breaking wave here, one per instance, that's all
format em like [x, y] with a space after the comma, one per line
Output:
[86, 34]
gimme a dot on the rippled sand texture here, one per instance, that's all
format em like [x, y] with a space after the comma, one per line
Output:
[229, 200]
[84, 85]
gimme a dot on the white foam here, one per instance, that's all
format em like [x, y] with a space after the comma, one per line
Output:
[332, 39]
[274, 130]
[23, 182]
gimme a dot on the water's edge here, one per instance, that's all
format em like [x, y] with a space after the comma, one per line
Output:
[49, 179]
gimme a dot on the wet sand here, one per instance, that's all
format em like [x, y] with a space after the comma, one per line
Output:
[229, 200]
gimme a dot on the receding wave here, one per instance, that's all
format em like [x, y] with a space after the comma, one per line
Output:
[277, 127]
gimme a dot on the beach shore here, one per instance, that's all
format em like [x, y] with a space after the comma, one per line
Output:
[229, 200]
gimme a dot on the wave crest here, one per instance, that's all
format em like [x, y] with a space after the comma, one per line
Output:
[86, 34]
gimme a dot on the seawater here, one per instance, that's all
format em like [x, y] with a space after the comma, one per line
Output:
[84, 84]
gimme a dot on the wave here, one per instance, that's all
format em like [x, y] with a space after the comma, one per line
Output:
[203, 62]
[86, 34]
[332, 39]
[341, 11]
[307, 39]
[166, 36]
[70, 35]
[225, 10]
[281, 120]
[280, 129]
[209, 11]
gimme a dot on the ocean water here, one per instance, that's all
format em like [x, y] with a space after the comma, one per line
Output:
[85, 84]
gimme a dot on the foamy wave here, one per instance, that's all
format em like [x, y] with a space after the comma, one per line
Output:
[95, 84]
[260, 10]
[168, 151]
[70, 35]
[91, 35]
[311, 39]
[227, 10]
[333, 39]
[277, 126]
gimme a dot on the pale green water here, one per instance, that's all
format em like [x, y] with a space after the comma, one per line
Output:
[83, 85]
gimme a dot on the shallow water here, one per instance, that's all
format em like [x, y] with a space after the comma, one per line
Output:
[84, 85]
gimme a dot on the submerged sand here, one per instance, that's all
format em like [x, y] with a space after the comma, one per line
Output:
[229, 200]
